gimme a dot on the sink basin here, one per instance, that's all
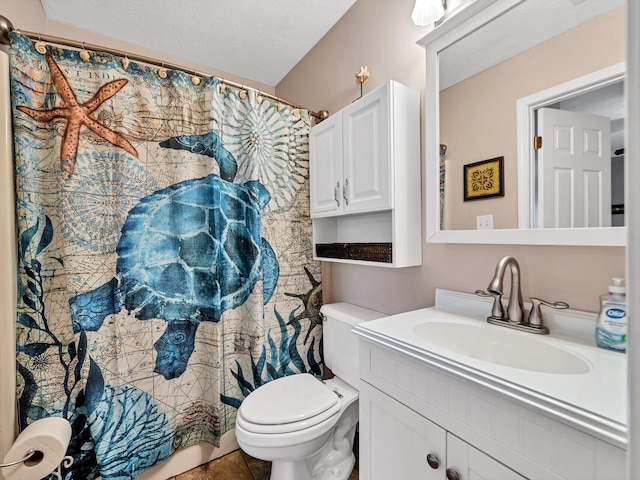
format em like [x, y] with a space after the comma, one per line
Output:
[497, 345]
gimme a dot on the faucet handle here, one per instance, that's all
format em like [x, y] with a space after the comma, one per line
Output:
[497, 310]
[535, 315]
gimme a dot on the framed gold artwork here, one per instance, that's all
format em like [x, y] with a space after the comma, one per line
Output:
[484, 179]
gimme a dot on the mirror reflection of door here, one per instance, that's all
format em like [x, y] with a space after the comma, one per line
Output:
[580, 167]
[574, 170]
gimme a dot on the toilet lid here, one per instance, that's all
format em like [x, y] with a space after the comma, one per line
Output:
[288, 400]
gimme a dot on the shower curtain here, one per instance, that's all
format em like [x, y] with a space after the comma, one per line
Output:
[165, 265]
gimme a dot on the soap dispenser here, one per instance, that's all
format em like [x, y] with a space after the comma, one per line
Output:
[611, 328]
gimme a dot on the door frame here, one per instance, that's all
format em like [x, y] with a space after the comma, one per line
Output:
[526, 128]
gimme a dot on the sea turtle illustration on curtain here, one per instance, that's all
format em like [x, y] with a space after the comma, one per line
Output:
[187, 253]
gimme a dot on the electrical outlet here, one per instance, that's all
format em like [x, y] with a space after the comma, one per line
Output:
[484, 222]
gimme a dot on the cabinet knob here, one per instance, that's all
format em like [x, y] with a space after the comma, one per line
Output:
[452, 474]
[336, 194]
[433, 461]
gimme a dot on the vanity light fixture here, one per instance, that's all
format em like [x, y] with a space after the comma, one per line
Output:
[428, 11]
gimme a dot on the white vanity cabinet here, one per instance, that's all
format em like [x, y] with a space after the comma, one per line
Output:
[364, 170]
[403, 445]
[395, 440]
[467, 462]
[409, 410]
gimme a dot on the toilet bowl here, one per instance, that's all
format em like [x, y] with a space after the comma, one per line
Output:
[303, 425]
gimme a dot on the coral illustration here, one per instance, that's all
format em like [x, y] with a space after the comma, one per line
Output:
[280, 361]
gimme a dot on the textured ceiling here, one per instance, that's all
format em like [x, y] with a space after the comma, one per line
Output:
[261, 40]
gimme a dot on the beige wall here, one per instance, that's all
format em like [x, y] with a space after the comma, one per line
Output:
[379, 34]
[477, 116]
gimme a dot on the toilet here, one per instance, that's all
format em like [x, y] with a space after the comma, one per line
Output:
[303, 425]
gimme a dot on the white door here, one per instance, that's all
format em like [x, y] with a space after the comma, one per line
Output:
[325, 167]
[395, 441]
[366, 153]
[471, 464]
[574, 170]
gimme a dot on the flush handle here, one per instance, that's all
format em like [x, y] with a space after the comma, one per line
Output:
[433, 461]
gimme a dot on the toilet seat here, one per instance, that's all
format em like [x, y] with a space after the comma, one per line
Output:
[288, 404]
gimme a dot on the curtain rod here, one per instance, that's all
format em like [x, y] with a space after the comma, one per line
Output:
[6, 27]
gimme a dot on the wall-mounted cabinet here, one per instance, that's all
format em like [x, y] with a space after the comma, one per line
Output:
[365, 180]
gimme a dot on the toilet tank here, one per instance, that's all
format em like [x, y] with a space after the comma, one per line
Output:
[341, 352]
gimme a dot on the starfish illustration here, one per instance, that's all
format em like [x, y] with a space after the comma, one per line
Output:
[78, 115]
[311, 301]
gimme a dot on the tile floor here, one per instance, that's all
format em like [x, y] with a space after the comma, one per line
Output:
[236, 466]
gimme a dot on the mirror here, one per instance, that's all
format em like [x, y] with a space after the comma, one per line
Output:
[490, 69]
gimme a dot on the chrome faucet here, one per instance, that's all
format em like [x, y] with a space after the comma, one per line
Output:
[515, 311]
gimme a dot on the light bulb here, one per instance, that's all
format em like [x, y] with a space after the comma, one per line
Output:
[427, 11]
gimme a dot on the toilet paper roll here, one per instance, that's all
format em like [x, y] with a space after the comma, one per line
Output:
[49, 438]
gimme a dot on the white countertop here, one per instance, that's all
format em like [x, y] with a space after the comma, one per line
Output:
[594, 402]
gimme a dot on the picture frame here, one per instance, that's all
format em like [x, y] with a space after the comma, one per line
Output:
[484, 179]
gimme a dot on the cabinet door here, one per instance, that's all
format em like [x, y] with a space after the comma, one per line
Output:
[367, 158]
[325, 167]
[395, 440]
[472, 464]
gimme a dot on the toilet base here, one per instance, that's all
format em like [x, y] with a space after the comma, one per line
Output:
[333, 467]
[336, 460]
[340, 470]
[283, 469]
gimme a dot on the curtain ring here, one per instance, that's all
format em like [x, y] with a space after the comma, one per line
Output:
[125, 61]
[41, 47]
[162, 72]
[84, 55]
[195, 79]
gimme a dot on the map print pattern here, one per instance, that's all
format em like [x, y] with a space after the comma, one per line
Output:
[165, 261]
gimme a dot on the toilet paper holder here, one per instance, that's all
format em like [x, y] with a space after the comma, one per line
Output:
[66, 462]
[29, 454]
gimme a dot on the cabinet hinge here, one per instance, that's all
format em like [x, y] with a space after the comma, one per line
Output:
[537, 143]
